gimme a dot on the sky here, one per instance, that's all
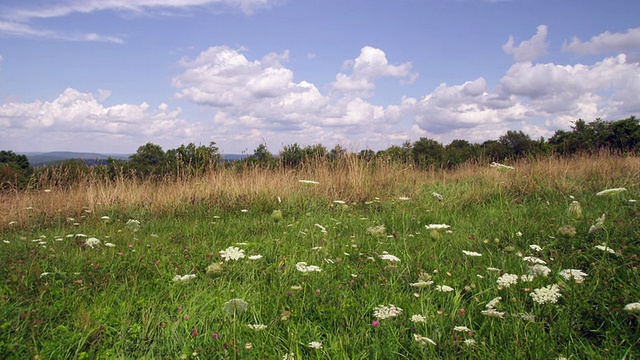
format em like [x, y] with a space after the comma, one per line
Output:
[109, 76]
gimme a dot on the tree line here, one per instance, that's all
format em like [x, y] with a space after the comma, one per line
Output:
[151, 162]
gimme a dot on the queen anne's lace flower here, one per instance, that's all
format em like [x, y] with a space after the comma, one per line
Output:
[423, 339]
[471, 253]
[386, 311]
[418, 318]
[632, 307]
[576, 275]
[92, 242]
[303, 267]
[386, 256]
[547, 294]
[183, 277]
[507, 280]
[232, 253]
[444, 288]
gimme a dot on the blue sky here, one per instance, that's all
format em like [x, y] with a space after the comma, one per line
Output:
[111, 75]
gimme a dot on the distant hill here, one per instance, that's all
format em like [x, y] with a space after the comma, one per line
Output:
[37, 159]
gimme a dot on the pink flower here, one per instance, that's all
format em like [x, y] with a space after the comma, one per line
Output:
[215, 336]
[318, 291]
[194, 333]
[375, 323]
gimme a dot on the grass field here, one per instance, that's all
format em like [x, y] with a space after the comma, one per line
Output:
[358, 261]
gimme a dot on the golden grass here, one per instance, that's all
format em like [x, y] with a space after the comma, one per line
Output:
[350, 180]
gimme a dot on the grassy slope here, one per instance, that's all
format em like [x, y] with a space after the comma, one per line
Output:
[120, 302]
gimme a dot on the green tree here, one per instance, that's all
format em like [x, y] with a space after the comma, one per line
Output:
[262, 157]
[517, 143]
[15, 170]
[458, 152]
[427, 152]
[149, 160]
[291, 155]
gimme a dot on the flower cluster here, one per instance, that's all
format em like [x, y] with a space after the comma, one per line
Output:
[507, 280]
[386, 311]
[547, 294]
[303, 267]
[232, 253]
[576, 275]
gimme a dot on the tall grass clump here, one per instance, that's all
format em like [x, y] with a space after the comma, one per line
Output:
[537, 258]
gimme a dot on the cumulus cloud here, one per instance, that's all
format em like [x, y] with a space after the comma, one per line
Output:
[74, 112]
[370, 65]
[530, 49]
[605, 43]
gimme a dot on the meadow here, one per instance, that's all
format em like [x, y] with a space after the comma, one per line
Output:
[534, 260]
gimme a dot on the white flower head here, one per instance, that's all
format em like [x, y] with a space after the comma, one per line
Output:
[605, 249]
[493, 313]
[386, 256]
[232, 253]
[471, 253]
[632, 307]
[501, 166]
[438, 196]
[257, 327]
[255, 257]
[539, 270]
[315, 345]
[577, 275]
[178, 278]
[303, 267]
[386, 311]
[461, 329]
[422, 283]
[535, 247]
[534, 260]
[418, 318]
[492, 304]
[92, 242]
[235, 306]
[547, 294]
[133, 225]
[437, 226]
[423, 340]
[598, 225]
[444, 288]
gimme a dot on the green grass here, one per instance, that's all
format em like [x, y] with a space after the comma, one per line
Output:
[120, 302]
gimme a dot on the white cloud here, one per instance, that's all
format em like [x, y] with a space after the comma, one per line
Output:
[73, 112]
[370, 65]
[605, 43]
[25, 30]
[528, 49]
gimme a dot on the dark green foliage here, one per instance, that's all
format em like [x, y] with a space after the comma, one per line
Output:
[14, 170]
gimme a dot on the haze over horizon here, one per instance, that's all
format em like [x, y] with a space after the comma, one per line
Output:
[108, 76]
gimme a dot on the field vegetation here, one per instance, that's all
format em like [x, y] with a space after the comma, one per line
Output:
[343, 259]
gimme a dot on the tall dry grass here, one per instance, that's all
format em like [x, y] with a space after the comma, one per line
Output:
[350, 180]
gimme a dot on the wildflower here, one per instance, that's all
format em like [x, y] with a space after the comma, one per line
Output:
[109, 244]
[534, 260]
[183, 277]
[315, 345]
[91, 242]
[255, 257]
[437, 196]
[418, 318]
[377, 230]
[303, 267]
[309, 182]
[235, 306]
[576, 275]
[539, 269]
[375, 323]
[444, 288]
[244, 211]
[535, 248]
[575, 210]
[501, 166]
[248, 346]
[471, 253]
[386, 256]
[611, 191]
[492, 304]
[437, 226]
[493, 313]
[106, 218]
[493, 269]
[421, 283]
[632, 307]
[461, 329]
[382, 312]
[133, 225]
[322, 228]
[44, 274]
[526, 317]
[605, 248]
[423, 340]
[232, 253]
[469, 342]
[257, 327]
[194, 332]
[404, 198]
[598, 225]
[526, 278]
[215, 268]
[289, 356]
[547, 294]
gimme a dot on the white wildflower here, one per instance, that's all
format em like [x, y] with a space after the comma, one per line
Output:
[421, 283]
[526, 316]
[377, 230]
[92, 242]
[598, 225]
[382, 312]
[437, 226]
[322, 228]
[576, 275]
[444, 288]
[493, 313]
[539, 270]
[235, 306]
[575, 210]
[471, 253]
[501, 166]
[547, 294]
[109, 244]
[461, 329]
[437, 196]
[534, 260]
[492, 304]
[507, 280]
[535, 248]
[303, 267]
[526, 278]
[469, 342]
[632, 307]
[386, 256]
[403, 198]
[289, 356]
[183, 277]
[257, 327]
[133, 225]
[255, 257]
[315, 345]
[423, 339]
[44, 274]
[493, 269]
[611, 191]
[605, 248]
[232, 253]
[418, 318]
